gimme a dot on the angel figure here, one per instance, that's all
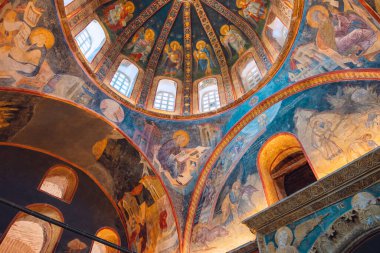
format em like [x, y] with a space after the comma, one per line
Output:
[142, 44]
[252, 10]
[118, 14]
[230, 204]
[204, 58]
[232, 38]
[173, 58]
[284, 236]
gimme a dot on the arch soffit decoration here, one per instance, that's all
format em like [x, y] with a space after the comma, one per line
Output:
[292, 34]
[115, 127]
[319, 80]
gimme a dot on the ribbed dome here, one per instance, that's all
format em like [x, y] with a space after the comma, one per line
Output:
[183, 57]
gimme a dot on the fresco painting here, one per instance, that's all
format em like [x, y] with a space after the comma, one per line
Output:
[335, 126]
[335, 137]
[105, 155]
[141, 45]
[232, 193]
[117, 15]
[318, 231]
[338, 125]
[204, 58]
[341, 35]
[254, 11]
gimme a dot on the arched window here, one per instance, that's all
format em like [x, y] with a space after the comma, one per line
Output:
[125, 77]
[165, 95]
[250, 75]
[208, 95]
[60, 182]
[107, 234]
[67, 2]
[29, 234]
[278, 31]
[91, 39]
[283, 167]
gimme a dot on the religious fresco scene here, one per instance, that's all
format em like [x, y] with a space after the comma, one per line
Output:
[183, 114]
[349, 217]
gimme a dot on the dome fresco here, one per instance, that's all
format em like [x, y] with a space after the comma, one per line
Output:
[151, 92]
[232, 44]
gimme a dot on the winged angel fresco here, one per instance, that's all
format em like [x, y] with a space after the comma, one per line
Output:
[232, 39]
[284, 236]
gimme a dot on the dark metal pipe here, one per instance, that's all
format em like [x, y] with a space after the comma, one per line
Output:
[61, 224]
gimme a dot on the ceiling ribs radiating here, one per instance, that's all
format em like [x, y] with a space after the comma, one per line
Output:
[244, 27]
[226, 77]
[157, 50]
[111, 55]
[188, 58]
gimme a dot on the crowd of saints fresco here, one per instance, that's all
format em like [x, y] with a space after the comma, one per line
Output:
[335, 123]
[319, 231]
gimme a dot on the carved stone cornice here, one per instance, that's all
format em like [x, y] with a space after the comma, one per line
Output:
[343, 183]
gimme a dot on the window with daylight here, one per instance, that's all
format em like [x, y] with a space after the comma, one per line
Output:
[108, 235]
[29, 234]
[165, 95]
[250, 75]
[125, 77]
[60, 182]
[91, 39]
[67, 2]
[208, 95]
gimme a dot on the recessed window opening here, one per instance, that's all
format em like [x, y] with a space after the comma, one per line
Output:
[208, 95]
[60, 182]
[67, 2]
[125, 78]
[165, 95]
[91, 39]
[250, 75]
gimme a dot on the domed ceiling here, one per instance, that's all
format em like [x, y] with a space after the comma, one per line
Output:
[233, 46]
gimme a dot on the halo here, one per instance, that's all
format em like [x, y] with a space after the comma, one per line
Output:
[49, 37]
[185, 135]
[362, 200]
[150, 33]
[175, 43]
[239, 3]
[224, 29]
[200, 44]
[284, 230]
[310, 16]
[130, 5]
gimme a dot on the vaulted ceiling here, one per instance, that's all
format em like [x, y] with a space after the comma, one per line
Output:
[317, 84]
